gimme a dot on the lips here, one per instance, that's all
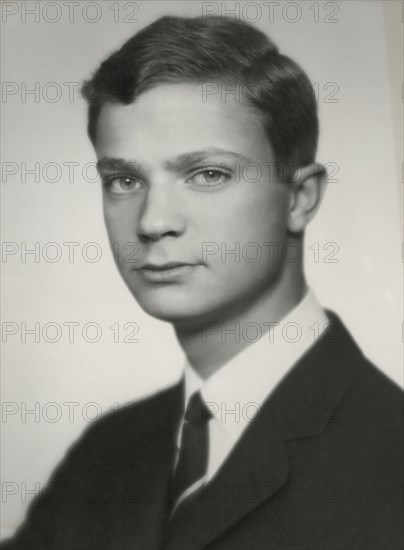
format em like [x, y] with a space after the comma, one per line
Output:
[168, 273]
[164, 267]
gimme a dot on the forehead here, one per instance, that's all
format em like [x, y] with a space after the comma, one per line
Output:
[172, 119]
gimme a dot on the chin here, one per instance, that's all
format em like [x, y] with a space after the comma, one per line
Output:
[172, 308]
[173, 315]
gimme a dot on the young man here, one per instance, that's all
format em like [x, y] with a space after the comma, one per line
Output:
[272, 440]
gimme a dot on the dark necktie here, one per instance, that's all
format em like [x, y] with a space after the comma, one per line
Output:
[193, 456]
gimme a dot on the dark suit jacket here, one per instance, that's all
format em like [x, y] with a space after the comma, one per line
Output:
[321, 467]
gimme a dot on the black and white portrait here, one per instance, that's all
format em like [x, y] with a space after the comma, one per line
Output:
[202, 275]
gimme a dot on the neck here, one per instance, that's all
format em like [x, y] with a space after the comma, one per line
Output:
[210, 344]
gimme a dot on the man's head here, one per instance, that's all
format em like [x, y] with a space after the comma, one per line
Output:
[194, 174]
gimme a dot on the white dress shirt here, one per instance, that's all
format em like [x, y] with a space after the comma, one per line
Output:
[235, 393]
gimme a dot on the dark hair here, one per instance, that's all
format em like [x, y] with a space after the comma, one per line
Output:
[214, 50]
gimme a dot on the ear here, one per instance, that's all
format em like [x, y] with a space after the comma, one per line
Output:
[306, 192]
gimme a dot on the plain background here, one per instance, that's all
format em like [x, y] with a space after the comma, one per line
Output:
[358, 55]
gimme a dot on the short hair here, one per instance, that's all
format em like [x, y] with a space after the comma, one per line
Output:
[214, 50]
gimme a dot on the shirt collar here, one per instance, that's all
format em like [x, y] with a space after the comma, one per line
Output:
[236, 391]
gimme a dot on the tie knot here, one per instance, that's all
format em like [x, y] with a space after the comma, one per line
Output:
[197, 412]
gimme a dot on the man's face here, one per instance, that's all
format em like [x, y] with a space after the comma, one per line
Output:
[196, 189]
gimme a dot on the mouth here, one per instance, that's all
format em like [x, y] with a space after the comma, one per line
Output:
[164, 267]
[171, 272]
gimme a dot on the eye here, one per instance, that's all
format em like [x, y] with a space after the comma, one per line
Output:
[122, 184]
[210, 177]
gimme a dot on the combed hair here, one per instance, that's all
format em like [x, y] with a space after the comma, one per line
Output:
[214, 50]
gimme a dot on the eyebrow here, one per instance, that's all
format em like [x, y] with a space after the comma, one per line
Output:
[177, 164]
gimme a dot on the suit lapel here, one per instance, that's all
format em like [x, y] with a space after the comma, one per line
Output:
[301, 406]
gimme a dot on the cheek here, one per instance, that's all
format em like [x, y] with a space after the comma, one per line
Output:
[257, 216]
[120, 221]
[249, 237]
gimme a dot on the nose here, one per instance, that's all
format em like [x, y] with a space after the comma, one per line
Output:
[160, 215]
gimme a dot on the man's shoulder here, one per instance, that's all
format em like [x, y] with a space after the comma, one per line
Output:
[346, 391]
[122, 435]
[116, 454]
[377, 403]
[369, 381]
[369, 416]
